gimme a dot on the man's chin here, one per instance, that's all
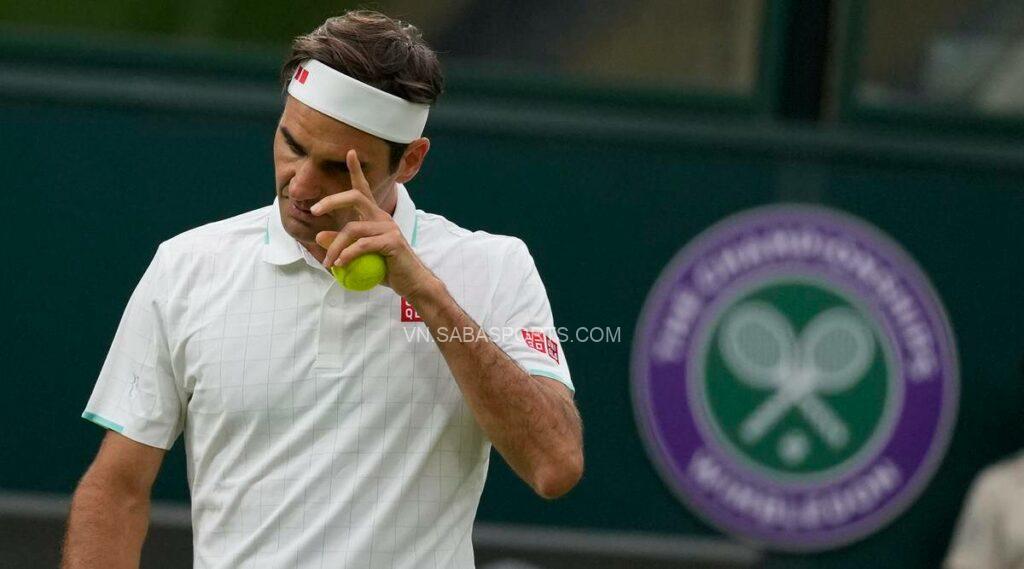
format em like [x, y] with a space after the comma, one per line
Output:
[300, 230]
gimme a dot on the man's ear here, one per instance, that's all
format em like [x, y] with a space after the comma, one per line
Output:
[412, 160]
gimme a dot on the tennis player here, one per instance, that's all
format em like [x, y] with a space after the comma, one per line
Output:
[325, 427]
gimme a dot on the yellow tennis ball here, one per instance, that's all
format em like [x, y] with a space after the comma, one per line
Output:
[362, 273]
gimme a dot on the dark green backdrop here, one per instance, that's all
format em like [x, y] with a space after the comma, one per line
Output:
[93, 183]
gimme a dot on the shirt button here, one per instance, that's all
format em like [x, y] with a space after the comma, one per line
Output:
[333, 300]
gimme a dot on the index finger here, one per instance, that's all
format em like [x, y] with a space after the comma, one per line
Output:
[355, 172]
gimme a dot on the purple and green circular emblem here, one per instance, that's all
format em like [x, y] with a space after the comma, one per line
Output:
[795, 377]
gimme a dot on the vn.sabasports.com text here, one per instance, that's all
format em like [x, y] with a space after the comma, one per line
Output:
[565, 335]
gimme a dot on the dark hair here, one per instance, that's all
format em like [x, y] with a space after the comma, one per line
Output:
[382, 52]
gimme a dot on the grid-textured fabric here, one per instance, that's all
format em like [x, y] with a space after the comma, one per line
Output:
[322, 428]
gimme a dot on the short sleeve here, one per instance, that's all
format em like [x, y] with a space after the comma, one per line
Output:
[522, 323]
[976, 540]
[137, 393]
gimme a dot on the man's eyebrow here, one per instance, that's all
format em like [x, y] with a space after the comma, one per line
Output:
[339, 165]
[291, 141]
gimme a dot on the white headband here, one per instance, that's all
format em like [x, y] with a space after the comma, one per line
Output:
[357, 104]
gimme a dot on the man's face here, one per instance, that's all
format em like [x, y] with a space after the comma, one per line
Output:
[309, 163]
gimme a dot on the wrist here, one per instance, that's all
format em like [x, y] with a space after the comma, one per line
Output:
[426, 292]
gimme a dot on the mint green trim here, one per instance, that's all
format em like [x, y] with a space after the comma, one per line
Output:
[552, 375]
[266, 233]
[105, 423]
[415, 226]
[545, 373]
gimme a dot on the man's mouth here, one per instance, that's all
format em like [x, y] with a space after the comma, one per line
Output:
[302, 212]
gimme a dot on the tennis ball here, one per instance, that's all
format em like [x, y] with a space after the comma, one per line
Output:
[362, 273]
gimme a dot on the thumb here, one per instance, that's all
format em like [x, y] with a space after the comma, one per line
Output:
[325, 238]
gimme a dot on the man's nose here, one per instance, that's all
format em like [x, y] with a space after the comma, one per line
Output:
[306, 184]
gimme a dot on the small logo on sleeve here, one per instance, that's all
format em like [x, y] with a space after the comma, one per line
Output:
[409, 313]
[552, 348]
[540, 342]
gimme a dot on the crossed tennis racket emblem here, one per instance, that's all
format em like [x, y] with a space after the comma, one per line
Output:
[831, 355]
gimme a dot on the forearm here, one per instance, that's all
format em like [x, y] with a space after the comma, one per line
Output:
[106, 528]
[532, 423]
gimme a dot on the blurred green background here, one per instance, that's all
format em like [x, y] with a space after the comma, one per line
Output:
[591, 130]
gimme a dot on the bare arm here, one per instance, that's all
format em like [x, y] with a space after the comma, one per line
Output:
[531, 420]
[110, 510]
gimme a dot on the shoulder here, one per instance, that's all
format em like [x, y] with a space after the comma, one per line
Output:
[489, 274]
[1003, 475]
[994, 483]
[221, 236]
[435, 233]
[211, 251]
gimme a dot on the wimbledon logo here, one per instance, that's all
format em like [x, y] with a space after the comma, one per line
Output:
[795, 377]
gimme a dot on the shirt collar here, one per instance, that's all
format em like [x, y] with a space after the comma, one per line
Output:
[280, 248]
[405, 214]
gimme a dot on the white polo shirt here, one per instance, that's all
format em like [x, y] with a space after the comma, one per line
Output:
[322, 426]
